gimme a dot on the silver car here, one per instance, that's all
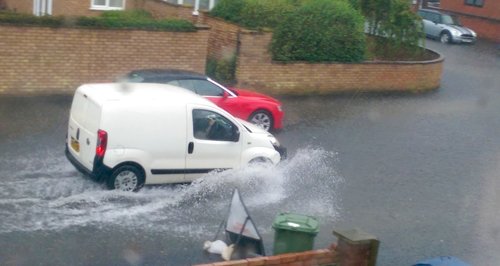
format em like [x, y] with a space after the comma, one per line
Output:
[445, 27]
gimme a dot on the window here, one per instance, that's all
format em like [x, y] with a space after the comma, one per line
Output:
[209, 125]
[202, 87]
[478, 3]
[108, 4]
[434, 17]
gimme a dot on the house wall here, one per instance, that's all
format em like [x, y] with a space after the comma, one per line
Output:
[486, 29]
[73, 8]
[65, 7]
[160, 10]
[257, 71]
[22, 6]
[42, 59]
[484, 20]
[490, 9]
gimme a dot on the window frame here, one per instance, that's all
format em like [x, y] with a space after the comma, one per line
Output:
[106, 6]
[475, 3]
[235, 135]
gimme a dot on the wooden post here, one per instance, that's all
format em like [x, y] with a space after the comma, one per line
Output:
[356, 248]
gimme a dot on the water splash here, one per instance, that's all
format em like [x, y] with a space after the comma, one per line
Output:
[306, 183]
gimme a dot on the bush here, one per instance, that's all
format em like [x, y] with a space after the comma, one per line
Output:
[320, 31]
[223, 70]
[229, 10]
[135, 19]
[265, 13]
[402, 26]
[394, 21]
[254, 13]
[26, 19]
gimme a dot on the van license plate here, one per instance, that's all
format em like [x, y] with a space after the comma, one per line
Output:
[75, 145]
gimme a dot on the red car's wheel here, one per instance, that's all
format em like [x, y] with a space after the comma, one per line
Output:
[263, 119]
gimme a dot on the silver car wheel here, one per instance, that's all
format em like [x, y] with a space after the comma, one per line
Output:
[445, 38]
[261, 119]
[126, 181]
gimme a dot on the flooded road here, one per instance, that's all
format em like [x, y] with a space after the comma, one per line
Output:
[419, 171]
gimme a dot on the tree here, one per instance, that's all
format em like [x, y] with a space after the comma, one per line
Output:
[320, 31]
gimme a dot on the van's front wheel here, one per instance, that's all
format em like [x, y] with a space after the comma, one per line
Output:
[126, 178]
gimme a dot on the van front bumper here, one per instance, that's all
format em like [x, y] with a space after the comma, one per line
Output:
[282, 151]
[99, 173]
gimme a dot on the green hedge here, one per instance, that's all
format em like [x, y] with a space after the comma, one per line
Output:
[134, 19]
[229, 10]
[223, 70]
[26, 19]
[254, 13]
[320, 31]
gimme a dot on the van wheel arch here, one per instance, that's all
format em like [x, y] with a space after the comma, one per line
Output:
[260, 160]
[129, 166]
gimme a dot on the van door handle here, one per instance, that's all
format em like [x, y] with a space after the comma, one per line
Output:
[190, 147]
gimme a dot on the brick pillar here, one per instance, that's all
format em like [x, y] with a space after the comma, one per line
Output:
[356, 248]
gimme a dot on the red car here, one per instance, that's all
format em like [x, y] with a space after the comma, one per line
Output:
[254, 107]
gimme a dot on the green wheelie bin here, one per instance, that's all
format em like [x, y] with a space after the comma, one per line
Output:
[294, 233]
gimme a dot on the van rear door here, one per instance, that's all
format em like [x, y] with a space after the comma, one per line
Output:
[83, 125]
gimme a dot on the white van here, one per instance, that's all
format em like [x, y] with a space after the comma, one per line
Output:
[132, 134]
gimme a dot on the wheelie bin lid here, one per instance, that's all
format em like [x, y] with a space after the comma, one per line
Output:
[296, 222]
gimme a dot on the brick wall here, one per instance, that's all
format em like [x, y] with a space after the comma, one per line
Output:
[160, 9]
[490, 9]
[312, 258]
[22, 6]
[257, 71]
[73, 8]
[67, 8]
[45, 59]
[486, 29]
[223, 40]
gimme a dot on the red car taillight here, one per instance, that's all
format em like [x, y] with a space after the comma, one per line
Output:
[102, 142]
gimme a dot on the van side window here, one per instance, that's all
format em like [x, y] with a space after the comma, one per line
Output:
[209, 125]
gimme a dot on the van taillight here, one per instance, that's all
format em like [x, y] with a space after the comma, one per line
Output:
[102, 142]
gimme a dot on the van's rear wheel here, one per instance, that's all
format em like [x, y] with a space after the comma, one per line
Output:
[126, 178]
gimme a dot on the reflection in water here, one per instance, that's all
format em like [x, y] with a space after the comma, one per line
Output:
[61, 198]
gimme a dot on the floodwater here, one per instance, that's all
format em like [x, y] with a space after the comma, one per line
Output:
[51, 214]
[419, 171]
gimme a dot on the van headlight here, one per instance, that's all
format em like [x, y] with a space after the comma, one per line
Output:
[273, 141]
